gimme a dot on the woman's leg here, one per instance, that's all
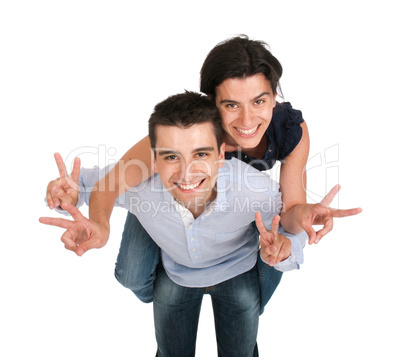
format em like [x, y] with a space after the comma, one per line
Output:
[137, 260]
[269, 279]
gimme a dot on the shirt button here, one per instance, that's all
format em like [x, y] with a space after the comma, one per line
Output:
[194, 249]
[196, 257]
[192, 240]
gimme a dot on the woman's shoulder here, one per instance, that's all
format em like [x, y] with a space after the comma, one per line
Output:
[285, 129]
[284, 113]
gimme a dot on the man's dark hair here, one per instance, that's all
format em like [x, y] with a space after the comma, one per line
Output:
[239, 57]
[184, 110]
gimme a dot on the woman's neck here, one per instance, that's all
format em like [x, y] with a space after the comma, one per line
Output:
[257, 152]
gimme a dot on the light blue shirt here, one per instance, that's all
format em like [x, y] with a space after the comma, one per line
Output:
[222, 242]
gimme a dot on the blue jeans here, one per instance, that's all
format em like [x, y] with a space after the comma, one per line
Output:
[236, 306]
[139, 256]
[137, 260]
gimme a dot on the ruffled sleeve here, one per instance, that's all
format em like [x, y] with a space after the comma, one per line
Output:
[285, 127]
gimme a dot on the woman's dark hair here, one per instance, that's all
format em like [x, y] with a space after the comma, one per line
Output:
[239, 57]
[184, 110]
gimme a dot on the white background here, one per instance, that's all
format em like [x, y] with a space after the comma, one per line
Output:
[82, 77]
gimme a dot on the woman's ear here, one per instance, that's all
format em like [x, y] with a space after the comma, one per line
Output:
[222, 155]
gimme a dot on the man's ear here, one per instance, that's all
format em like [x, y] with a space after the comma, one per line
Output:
[222, 155]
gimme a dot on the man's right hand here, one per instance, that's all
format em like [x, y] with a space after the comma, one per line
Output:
[81, 234]
[64, 188]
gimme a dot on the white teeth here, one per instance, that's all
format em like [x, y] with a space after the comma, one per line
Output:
[189, 187]
[247, 132]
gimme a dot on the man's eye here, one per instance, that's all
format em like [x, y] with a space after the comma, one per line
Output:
[259, 102]
[170, 157]
[202, 154]
[231, 105]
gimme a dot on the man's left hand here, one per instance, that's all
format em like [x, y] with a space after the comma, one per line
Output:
[275, 247]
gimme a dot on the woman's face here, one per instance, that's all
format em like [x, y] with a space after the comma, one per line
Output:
[246, 106]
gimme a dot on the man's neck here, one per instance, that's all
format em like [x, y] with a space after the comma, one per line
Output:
[197, 209]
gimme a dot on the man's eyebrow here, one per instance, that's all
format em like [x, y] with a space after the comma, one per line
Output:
[223, 101]
[206, 148]
[162, 152]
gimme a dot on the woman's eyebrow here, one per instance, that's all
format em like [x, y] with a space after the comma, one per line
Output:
[236, 102]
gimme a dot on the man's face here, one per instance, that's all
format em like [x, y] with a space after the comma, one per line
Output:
[246, 106]
[188, 161]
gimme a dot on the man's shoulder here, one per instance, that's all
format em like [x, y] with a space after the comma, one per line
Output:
[237, 172]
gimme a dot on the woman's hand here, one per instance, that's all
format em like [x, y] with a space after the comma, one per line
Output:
[308, 215]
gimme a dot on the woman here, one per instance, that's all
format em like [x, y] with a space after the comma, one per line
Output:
[242, 77]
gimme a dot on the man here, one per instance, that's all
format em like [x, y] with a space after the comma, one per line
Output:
[200, 211]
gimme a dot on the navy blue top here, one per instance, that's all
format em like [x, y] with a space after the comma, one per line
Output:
[283, 134]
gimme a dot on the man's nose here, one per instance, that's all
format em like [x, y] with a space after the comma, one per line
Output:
[191, 169]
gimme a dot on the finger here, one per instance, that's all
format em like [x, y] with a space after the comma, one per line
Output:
[328, 225]
[326, 201]
[58, 222]
[275, 224]
[284, 252]
[49, 200]
[311, 233]
[56, 202]
[75, 174]
[87, 245]
[60, 165]
[59, 193]
[68, 241]
[259, 223]
[74, 211]
[274, 259]
[267, 251]
[339, 213]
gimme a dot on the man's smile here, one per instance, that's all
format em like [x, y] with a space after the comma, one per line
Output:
[189, 187]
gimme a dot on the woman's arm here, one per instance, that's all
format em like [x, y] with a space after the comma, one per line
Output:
[293, 182]
[132, 169]
[296, 214]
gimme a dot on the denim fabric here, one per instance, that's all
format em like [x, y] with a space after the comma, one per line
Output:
[236, 309]
[220, 243]
[269, 279]
[137, 260]
[139, 255]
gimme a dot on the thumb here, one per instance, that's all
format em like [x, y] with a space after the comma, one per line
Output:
[84, 247]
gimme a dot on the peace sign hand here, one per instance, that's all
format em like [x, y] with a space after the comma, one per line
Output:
[81, 234]
[64, 188]
[321, 214]
[275, 247]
